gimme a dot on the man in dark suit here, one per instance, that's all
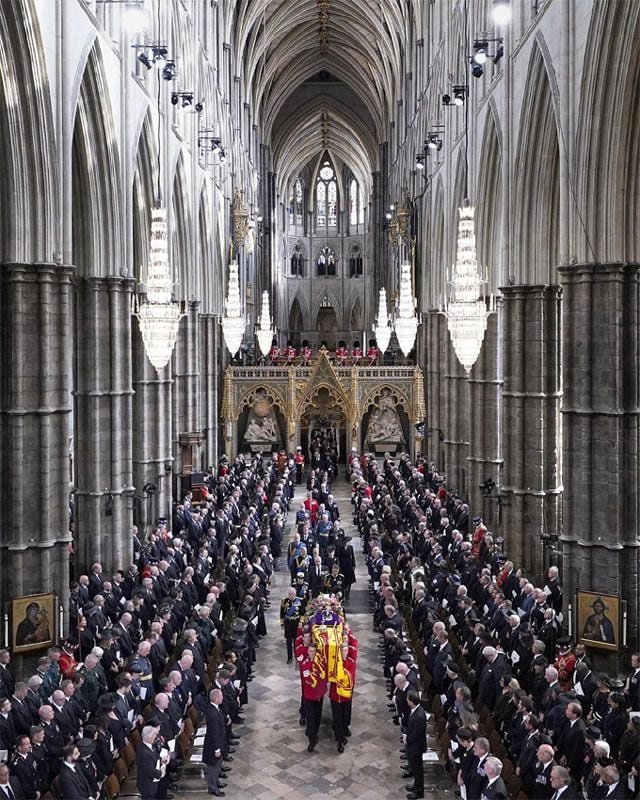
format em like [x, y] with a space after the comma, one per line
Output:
[7, 679]
[564, 788]
[150, 769]
[9, 784]
[20, 712]
[315, 577]
[72, 781]
[571, 744]
[415, 741]
[616, 790]
[542, 789]
[495, 788]
[214, 743]
[478, 776]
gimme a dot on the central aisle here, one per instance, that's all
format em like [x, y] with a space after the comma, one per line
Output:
[272, 759]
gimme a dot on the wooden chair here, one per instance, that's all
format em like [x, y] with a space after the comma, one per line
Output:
[120, 769]
[111, 787]
[129, 756]
[55, 789]
[136, 738]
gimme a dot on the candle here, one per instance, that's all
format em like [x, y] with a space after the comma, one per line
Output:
[6, 630]
[60, 620]
[624, 629]
[570, 619]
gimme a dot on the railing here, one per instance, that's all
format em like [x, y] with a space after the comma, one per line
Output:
[282, 373]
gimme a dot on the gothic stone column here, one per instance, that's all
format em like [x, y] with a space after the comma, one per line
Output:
[35, 416]
[485, 461]
[152, 458]
[531, 423]
[436, 337]
[456, 428]
[103, 422]
[209, 386]
[186, 375]
[600, 409]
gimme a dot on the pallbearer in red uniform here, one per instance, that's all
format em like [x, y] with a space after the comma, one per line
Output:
[341, 695]
[305, 353]
[342, 354]
[314, 686]
[290, 353]
[274, 353]
[372, 353]
[356, 354]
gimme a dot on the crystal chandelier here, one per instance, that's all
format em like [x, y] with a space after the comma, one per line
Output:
[265, 332]
[158, 317]
[233, 323]
[382, 329]
[406, 322]
[466, 311]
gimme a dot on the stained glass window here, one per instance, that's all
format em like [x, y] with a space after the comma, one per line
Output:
[326, 263]
[355, 262]
[327, 197]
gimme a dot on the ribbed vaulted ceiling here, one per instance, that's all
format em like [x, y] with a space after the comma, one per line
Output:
[359, 44]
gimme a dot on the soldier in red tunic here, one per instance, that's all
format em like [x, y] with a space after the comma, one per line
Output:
[372, 353]
[305, 353]
[314, 687]
[274, 353]
[342, 354]
[356, 354]
[290, 353]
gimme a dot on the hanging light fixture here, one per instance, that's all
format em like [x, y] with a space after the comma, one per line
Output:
[233, 323]
[406, 322]
[265, 332]
[466, 310]
[158, 316]
[382, 328]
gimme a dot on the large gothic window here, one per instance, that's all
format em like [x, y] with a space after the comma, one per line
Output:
[355, 262]
[326, 263]
[356, 204]
[295, 204]
[327, 197]
[297, 262]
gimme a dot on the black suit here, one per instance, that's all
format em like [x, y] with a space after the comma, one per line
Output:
[542, 781]
[21, 716]
[73, 783]
[477, 781]
[7, 682]
[416, 745]
[497, 790]
[215, 740]
[16, 789]
[571, 746]
[148, 777]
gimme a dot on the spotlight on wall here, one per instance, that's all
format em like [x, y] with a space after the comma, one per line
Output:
[143, 58]
[433, 142]
[199, 106]
[169, 71]
[501, 12]
[160, 53]
[420, 161]
[185, 97]
[482, 54]
[446, 99]
[481, 47]
[459, 94]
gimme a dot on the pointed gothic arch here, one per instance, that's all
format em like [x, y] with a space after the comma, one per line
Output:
[296, 317]
[537, 170]
[489, 203]
[96, 225]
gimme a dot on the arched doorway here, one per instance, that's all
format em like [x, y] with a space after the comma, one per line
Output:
[326, 326]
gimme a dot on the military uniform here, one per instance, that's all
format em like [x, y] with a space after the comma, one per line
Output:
[335, 584]
[25, 769]
[290, 619]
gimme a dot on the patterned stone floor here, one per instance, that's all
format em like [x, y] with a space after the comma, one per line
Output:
[272, 761]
